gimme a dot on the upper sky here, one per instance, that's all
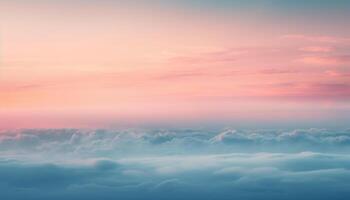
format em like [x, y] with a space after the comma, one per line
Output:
[111, 63]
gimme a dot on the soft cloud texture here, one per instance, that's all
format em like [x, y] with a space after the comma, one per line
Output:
[119, 143]
[173, 164]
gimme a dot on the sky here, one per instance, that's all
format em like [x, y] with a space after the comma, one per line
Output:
[91, 64]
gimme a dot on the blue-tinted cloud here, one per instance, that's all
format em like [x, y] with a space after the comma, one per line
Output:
[164, 142]
[174, 164]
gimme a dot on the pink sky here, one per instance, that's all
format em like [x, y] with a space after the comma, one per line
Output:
[95, 65]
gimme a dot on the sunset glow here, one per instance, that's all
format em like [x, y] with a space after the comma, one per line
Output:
[182, 59]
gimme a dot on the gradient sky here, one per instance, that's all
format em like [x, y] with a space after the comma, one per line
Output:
[110, 63]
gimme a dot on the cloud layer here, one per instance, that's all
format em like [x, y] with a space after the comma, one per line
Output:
[174, 164]
[104, 142]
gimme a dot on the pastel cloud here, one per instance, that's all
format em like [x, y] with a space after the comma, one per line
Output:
[315, 49]
[219, 56]
[230, 176]
[317, 39]
[337, 73]
[167, 164]
[57, 144]
[326, 60]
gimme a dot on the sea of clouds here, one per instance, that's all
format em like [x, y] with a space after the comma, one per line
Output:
[174, 164]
